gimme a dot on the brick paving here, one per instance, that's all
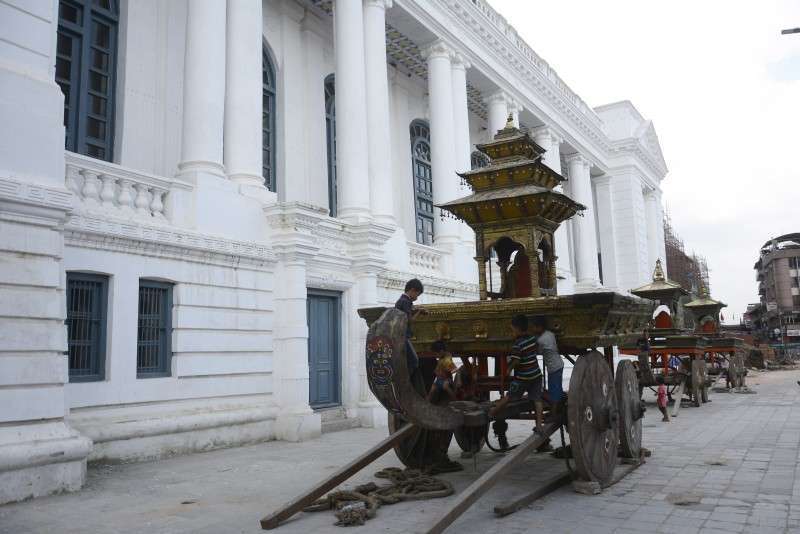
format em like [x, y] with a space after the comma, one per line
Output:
[734, 460]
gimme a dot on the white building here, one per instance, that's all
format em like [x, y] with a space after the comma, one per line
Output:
[207, 243]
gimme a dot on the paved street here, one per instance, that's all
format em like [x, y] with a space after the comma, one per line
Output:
[734, 461]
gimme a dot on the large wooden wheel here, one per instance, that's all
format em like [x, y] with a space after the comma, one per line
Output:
[630, 409]
[593, 418]
[423, 447]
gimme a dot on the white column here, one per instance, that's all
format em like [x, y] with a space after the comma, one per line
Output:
[463, 146]
[606, 230]
[497, 104]
[204, 88]
[351, 128]
[445, 180]
[243, 94]
[296, 421]
[585, 233]
[551, 141]
[651, 208]
[514, 108]
[39, 452]
[377, 84]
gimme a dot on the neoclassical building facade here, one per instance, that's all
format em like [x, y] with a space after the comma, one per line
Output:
[197, 195]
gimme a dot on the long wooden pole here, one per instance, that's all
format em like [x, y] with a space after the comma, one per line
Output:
[305, 499]
[549, 486]
[487, 480]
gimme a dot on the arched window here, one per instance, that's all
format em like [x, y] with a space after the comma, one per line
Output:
[423, 180]
[478, 159]
[330, 131]
[268, 119]
[86, 64]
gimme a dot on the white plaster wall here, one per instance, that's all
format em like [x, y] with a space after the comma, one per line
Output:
[631, 231]
[222, 319]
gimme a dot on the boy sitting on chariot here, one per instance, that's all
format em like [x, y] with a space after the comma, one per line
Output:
[527, 375]
[443, 374]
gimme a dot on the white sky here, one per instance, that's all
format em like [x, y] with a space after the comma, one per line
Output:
[722, 87]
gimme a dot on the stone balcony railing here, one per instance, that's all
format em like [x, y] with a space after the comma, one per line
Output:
[424, 259]
[106, 187]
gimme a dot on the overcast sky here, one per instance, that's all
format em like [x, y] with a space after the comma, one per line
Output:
[722, 87]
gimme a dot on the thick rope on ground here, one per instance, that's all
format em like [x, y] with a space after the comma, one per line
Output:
[355, 507]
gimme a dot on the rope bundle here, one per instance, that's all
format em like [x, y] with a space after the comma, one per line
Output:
[355, 507]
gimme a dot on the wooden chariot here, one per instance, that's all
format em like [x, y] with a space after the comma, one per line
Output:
[514, 211]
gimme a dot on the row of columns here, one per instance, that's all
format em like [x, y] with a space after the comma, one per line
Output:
[222, 91]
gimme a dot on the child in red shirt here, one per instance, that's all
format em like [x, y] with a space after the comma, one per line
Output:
[661, 398]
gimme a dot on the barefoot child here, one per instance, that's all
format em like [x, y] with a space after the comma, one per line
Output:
[443, 374]
[525, 365]
[661, 398]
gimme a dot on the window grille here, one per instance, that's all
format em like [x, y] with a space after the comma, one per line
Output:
[330, 131]
[87, 296]
[423, 181]
[153, 350]
[86, 61]
[268, 142]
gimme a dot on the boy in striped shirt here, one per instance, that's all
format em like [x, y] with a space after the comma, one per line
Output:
[525, 365]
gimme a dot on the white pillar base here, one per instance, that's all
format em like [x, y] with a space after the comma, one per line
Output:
[298, 427]
[42, 459]
[258, 192]
[588, 286]
[565, 282]
[372, 416]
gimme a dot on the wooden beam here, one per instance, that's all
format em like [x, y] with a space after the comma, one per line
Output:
[487, 480]
[549, 486]
[305, 499]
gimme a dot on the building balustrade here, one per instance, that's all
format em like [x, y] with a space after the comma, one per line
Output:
[106, 187]
[424, 259]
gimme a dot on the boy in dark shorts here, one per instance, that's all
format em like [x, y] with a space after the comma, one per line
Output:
[406, 304]
[527, 375]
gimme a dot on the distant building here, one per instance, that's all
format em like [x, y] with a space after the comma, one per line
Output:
[689, 270]
[778, 274]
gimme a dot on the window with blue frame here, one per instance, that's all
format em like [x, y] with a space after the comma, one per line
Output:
[86, 61]
[330, 131]
[269, 91]
[423, 181]
[87, 304]
[154, 349]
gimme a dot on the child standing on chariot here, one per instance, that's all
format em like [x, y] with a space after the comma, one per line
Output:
[406, 305]
[443, 374]
[527, 375]
[547, 347]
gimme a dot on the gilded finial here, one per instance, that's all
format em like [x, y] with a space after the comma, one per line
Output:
[510, 121]
[658, 274]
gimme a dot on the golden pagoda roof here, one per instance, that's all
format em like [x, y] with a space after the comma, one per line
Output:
[516, 185]
[661, 286]
[704, 300]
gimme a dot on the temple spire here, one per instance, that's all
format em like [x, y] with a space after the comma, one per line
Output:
[658, 274]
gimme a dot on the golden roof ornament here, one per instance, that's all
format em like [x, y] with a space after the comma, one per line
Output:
[658, 273]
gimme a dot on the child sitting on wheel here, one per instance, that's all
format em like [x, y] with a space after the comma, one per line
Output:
[527, 375]
[443, 374]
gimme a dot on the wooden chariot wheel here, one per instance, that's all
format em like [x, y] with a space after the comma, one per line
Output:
[422, 447]
[593, 418]
[630, 409]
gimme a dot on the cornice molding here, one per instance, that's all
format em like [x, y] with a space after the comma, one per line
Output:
[35, 195]
[108, 233]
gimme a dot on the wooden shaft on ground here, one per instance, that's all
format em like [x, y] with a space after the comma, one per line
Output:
[298, 503]
[549, 486]
[487, 480]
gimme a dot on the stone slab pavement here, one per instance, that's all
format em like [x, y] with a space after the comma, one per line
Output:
[734, 460]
